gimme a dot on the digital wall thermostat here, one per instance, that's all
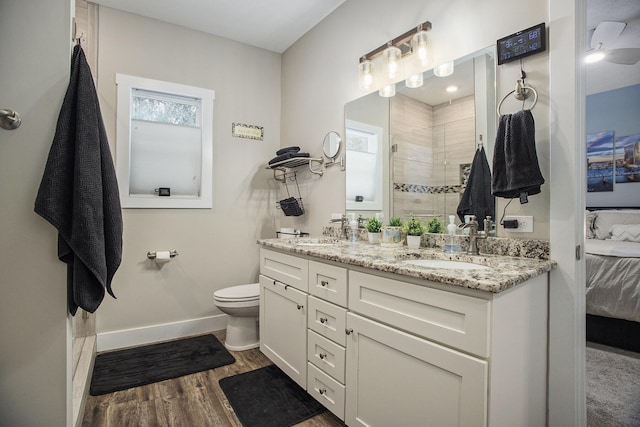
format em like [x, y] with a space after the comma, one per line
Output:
[521, 44]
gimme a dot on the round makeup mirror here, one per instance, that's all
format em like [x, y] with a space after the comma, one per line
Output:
[331, 144]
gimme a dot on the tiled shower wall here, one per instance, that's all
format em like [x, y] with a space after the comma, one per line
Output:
[432, 144]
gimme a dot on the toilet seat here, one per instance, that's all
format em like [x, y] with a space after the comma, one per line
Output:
[240, 293]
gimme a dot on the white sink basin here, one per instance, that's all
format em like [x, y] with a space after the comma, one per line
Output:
[446, 264]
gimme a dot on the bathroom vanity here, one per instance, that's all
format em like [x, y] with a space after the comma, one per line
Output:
[382, 341]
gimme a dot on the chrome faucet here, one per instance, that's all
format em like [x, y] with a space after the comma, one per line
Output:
[343, 225]
[474, 234]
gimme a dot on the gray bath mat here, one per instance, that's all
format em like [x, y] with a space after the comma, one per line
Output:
[133, 367]
[267, 397]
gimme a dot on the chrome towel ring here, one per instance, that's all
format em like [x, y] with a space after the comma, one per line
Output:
[521, 92]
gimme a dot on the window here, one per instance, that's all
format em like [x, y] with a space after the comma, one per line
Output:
[164, 141]
[364, 162]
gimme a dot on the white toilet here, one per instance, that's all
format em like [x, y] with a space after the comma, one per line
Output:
[242, 305]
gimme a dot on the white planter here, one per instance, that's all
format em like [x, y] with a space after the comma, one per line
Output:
[374, 237]
[413, 242]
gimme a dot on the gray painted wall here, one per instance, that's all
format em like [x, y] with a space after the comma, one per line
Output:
[35, 365]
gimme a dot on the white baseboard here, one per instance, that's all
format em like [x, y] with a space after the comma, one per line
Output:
[167, 331]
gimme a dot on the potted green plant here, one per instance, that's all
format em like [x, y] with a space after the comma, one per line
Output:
[414, 230]
[392, 233]
[435, 226]
[374, 225]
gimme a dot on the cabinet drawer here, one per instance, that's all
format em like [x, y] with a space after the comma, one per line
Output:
[456, 320]
[326, 355]
[326, 390]
[290, 270]
[327, 319]
[328, 282]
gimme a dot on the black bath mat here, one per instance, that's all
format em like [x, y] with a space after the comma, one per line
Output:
[133, 367]
[267, 397]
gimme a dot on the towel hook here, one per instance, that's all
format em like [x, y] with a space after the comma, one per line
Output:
[521, 92]
[10, 119]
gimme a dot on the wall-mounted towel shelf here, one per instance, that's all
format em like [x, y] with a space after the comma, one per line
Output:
[295, 162]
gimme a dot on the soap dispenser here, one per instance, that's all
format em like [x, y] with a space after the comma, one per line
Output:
[451, 246]
[353, 228]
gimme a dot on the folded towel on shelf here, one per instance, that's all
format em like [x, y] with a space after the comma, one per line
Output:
[477, 199]
[515, 163]
[78, 194]
[286, 156]
[284, 150]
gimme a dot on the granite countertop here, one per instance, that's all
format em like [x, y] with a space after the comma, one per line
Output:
[505, 272]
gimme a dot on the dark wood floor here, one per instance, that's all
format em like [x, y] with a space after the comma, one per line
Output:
[191, 401]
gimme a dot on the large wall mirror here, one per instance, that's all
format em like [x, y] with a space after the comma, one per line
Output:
[411, 153]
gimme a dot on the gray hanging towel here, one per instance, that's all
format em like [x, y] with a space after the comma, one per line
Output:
[515, 163]
[477, 199]
[78, 194]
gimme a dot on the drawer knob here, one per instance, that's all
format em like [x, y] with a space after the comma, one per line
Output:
[324, 283]
[323, 320]
[300, 307]
[322, 390]
[322, 356]
[348, 331]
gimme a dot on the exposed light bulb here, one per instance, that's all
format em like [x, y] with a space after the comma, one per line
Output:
[594, 56]
[414, 81]
[419, 48]
[391, 61]
[387, 91]
[366, 74]
[452, 88]
[444, 70]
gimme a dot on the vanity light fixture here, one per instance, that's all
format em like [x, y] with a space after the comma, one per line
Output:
[414, 81]
[365, 74]
[391, 61]
[388, 91]
[443, 70]
[412, 43]
[419, 47]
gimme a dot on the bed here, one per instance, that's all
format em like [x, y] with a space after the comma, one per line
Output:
[612, 253]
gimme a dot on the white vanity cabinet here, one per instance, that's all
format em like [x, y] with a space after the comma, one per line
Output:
[396, 374]
[283, 312]
[383, 349]
[422, 355]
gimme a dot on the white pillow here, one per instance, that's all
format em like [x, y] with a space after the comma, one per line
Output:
[589, 219]
[626, 232]
[606, 219]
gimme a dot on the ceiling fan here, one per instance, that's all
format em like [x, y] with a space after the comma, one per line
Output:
[605, 33]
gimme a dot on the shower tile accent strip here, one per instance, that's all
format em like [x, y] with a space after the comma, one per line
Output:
[427, 189]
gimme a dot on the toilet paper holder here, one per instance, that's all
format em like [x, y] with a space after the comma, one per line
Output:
[152, 254]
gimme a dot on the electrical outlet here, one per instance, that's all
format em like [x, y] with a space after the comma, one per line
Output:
[525, 224]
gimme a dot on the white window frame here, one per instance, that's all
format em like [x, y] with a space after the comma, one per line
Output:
[126, 84]
[376, 204]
